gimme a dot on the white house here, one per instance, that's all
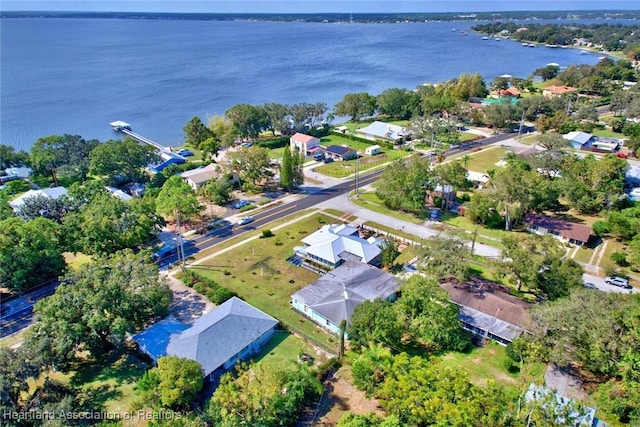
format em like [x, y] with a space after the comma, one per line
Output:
[372, 150]
[306, 144]
[478, 179]
[49, 193]
[198, 177]
[334, 244]
[382, 130]
[334, 296]
[579, 139]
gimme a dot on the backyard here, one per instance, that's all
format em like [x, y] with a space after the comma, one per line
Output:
[259, 273]
[483, 160]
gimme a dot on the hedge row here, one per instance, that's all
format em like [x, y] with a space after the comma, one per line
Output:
[271, 144]
[206, 286]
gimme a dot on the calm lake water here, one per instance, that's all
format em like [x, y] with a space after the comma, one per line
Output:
[77, 75]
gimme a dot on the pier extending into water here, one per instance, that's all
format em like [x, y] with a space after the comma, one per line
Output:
[125, 128]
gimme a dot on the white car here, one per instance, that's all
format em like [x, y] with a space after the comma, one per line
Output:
[245, 220]
[617, 281]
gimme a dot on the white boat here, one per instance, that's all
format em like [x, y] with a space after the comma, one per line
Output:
[584, 52]
[485, 38]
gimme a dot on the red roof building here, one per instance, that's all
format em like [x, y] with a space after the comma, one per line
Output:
[571, 232]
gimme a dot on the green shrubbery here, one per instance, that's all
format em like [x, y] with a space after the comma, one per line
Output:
[206, 286]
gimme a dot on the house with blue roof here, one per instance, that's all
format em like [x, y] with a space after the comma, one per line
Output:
[233, 331]
[338, 152]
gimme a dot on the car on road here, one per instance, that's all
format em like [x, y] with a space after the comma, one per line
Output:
[241, 203]
[617, 281]
[245, 220]
[165, 251]
[185, 153]
[589, 285]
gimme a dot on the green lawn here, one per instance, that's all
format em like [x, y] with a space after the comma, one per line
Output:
[372, 202]
[483, 160]
[488, 363]
[259, 273]
[282, 351]
[462, 222]
[607, 133]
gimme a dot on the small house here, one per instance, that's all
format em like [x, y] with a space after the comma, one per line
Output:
[198, 177]
[488, 311]
[566, 231]
[372, 150]
[305, 144]
[579, 140]
[233, 331]
[553, 91]
[478, 179]
[48, 193]
[338, 152]
[334, 296]
[446, 192]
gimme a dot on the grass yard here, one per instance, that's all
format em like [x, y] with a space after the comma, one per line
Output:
[494, 235]
[607, 133]
[259, 273]
[584, 254]
[341, 169]
[372, 202]
[488, 363]
[282, 351]
[106, 384]
[483, 160]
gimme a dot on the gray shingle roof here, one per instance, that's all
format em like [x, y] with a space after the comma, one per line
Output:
[220, 334]
[336, 294]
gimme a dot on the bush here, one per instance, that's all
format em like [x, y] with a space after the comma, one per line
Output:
[208, 287]
[620, 258]
[271, 144]
[247, 208]
[601, 228]
[266, 233]
[323, 370]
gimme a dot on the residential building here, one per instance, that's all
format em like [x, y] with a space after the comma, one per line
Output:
[305, 144]
[338, 152]
[233, 331]
[48, 193]
[553, 91]
[478, 179]
[198, 177]
[117, 193]
[166, 158]
[579, 140]
[566, 231]
[384, 131]
[333, 297]
[333, 244]
[487, 311]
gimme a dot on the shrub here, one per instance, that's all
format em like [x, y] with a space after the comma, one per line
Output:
[247, 207]
[323, 370]
[620, 258]
[271, 144]
[266, 233]
[601, 228]
[208, 287]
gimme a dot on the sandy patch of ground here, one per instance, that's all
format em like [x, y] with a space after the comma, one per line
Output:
[339, 397]
[187, 305]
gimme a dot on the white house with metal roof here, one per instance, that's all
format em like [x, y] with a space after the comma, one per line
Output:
[334, 296]
[334, 244]
[233, 331]
[48, 193]
[198, 177]
[579, 139]
[382, 130]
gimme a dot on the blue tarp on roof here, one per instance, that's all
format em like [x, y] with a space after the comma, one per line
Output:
[154, 340]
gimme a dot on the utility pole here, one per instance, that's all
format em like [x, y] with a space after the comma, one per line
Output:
[180, 248]
[356, 174]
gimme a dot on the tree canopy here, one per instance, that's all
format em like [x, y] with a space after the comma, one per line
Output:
[30, 252]
[175, 382]
[95, 306]
[66, 155]
[122, 161]
[356, 106]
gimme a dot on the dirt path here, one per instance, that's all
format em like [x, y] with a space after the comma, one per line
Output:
[187, 305]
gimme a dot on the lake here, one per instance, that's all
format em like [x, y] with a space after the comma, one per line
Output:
[77, 75]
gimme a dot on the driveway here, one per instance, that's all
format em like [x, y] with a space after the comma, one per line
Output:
[599, 283]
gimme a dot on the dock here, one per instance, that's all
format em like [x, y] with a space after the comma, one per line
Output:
[166, 155]
[125, 128]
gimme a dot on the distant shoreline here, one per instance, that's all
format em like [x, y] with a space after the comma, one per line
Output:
[360, 18]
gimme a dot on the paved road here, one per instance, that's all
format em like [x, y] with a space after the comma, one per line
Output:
[599, 283]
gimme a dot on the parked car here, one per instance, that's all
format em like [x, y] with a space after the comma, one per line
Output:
[165, 251]
[245, 220]
[328, 160]
[617, 281]
[246, 144]
[589, 285]
[185, 153]
[241, 203]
